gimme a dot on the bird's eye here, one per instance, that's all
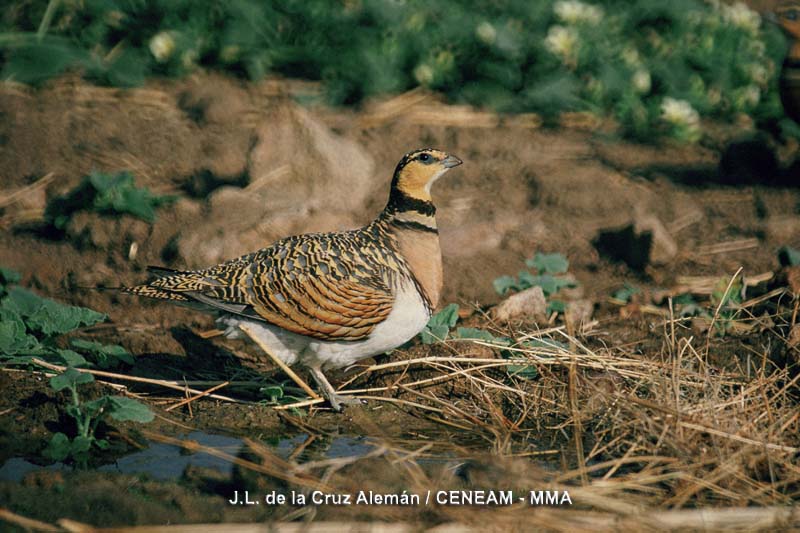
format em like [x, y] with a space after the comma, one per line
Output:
[792, 14]
[425, 158]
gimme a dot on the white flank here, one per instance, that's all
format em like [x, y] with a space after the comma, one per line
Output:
[407, 318]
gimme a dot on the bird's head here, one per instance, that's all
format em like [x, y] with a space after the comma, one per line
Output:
[418, 170]
[787, 16]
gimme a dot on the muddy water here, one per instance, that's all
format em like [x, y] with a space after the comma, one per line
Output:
[166, 462]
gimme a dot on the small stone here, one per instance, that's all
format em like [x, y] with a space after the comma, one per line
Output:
[528, 303]
[663, 247]
[579, 312]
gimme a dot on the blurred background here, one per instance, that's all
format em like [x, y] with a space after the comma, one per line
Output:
[620, 60]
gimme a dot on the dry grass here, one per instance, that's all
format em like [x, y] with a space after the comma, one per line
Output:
[679, 431]
[702, 433]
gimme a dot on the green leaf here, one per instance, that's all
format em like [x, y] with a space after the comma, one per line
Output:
[47, 316]
[522, 371]
[446, 317]
[118, 194]
[80, 445]
[789, 256]
[548, 263]
[127, 70]
[433, 334]
[127, 409]
[556, 306]
[545, 343]
[626, 293]
[14, 338]
[273, 392]
[71, 378]
[503, 284]
[95, 409]
[479, 334]
[22, 301]
[103, 444]
[58, 448]
[75, 412]
[8, 276]
[53, 318]
[105, 355]
[70, 358]
[549, 284]
[33, 62]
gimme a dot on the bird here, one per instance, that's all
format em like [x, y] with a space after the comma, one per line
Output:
[327, 300]
[787, 16]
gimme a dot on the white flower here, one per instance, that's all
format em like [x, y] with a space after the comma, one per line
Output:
[230, 53]
[561, 41]
[188, 58]
[752, 95]
[679, 112]
[423, 74]
[758, 73]
[746, 97]
[162, 45]
[742, 16]
[641, 81]
[486, 32]
[574, 12]
[683, 117]
[631, 56]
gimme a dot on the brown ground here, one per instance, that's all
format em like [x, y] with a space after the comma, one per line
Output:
[251, 166]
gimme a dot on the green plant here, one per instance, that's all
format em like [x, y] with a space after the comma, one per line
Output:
[723, 308]
[626, 293]
[438, 327]
[547, 267]
[106, 194]
[30, 326]
[657, 67]
[726, 299]
[279, 394]
[87, 416]
[788, 256]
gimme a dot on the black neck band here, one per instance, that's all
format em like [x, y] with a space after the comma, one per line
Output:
[417, 226]
[399, 201]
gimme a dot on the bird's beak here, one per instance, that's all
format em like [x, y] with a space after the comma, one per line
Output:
[451, 161]
[771, 18]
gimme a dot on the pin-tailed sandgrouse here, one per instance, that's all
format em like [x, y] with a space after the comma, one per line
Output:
[327, 300]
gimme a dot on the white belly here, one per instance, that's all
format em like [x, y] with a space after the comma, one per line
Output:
[407, 318]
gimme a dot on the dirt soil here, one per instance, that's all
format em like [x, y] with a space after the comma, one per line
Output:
[250, 165]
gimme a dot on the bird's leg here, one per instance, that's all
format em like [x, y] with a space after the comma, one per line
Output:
[327, 390]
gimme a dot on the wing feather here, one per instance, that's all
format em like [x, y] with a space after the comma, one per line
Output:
[307, 285]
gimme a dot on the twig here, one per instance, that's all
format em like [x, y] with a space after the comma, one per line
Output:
[722, 301]
[16, 195]
[283, 366]
[26, 523]
[193, 398]
[159, 382]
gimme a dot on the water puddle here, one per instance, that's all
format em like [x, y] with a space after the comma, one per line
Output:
[168, 462]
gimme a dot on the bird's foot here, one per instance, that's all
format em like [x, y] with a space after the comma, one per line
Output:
[336, 400]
